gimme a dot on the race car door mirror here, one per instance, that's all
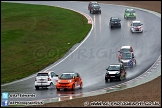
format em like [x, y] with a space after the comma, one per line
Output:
[57, 75]
[107, 69]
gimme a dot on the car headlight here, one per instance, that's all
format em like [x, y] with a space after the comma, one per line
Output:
[117, 72]
[69, 80]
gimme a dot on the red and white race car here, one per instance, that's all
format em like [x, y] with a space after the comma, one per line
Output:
[136, 27]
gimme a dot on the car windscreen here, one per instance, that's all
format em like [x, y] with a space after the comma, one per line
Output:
[125, 50]
[126, 56]
[114, 68]
[96, 6]
[42, 74]
[114, 19]
[136, 24]
[130, 11]
[67, 76]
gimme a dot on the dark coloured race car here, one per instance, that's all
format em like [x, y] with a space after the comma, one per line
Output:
[115, 22]
[91, 4]
[95, 9]
[115, 71]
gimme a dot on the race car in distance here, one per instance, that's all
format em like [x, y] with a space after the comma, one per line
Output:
[129, 13]
[69, 80]
[95, 9]
[115, 22]
[124, 49]
[136, 27]
[45, 79]
[115, 71]
[128, 59]
[91, 4]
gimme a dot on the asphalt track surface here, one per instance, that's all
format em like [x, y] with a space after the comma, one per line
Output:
[99, 50]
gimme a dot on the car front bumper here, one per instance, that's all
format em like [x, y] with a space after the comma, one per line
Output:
[133, 30]
[64, 85]
[112, 76]
[96, 11]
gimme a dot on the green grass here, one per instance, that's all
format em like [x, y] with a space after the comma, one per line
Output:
[35, 36]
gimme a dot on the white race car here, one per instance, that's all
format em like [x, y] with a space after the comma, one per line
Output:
[136, 27]
[45, 79]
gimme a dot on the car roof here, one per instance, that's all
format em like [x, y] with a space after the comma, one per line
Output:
[96, 5]
[93, 2]
[125, 47]
[136, 22]
[115, 64]
[45, 71]
[129, 9]
[114, 17]
[69, 73]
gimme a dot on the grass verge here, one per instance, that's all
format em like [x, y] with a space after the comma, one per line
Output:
[35, 36]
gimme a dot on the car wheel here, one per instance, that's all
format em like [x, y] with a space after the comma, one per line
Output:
[90, 11]
[111, 80]
[58, 89]
[120, 78]
[51, 84]
[36, 87]
[106, 80]
[81, 85]
[73, 87]
[125, 16]
[125, 75]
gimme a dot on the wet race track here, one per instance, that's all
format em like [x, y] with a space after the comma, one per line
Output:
[99, 50]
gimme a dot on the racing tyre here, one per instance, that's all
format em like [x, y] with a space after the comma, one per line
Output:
[111, 80]
[125, 17]
[73, 87]
[81, 85]
[120, 78]
[106, 80]
[36, 87]
[125, 75]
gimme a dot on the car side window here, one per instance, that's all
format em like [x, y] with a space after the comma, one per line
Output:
[75, 75]
[78, 75]
[51, 74]
[132, 55]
